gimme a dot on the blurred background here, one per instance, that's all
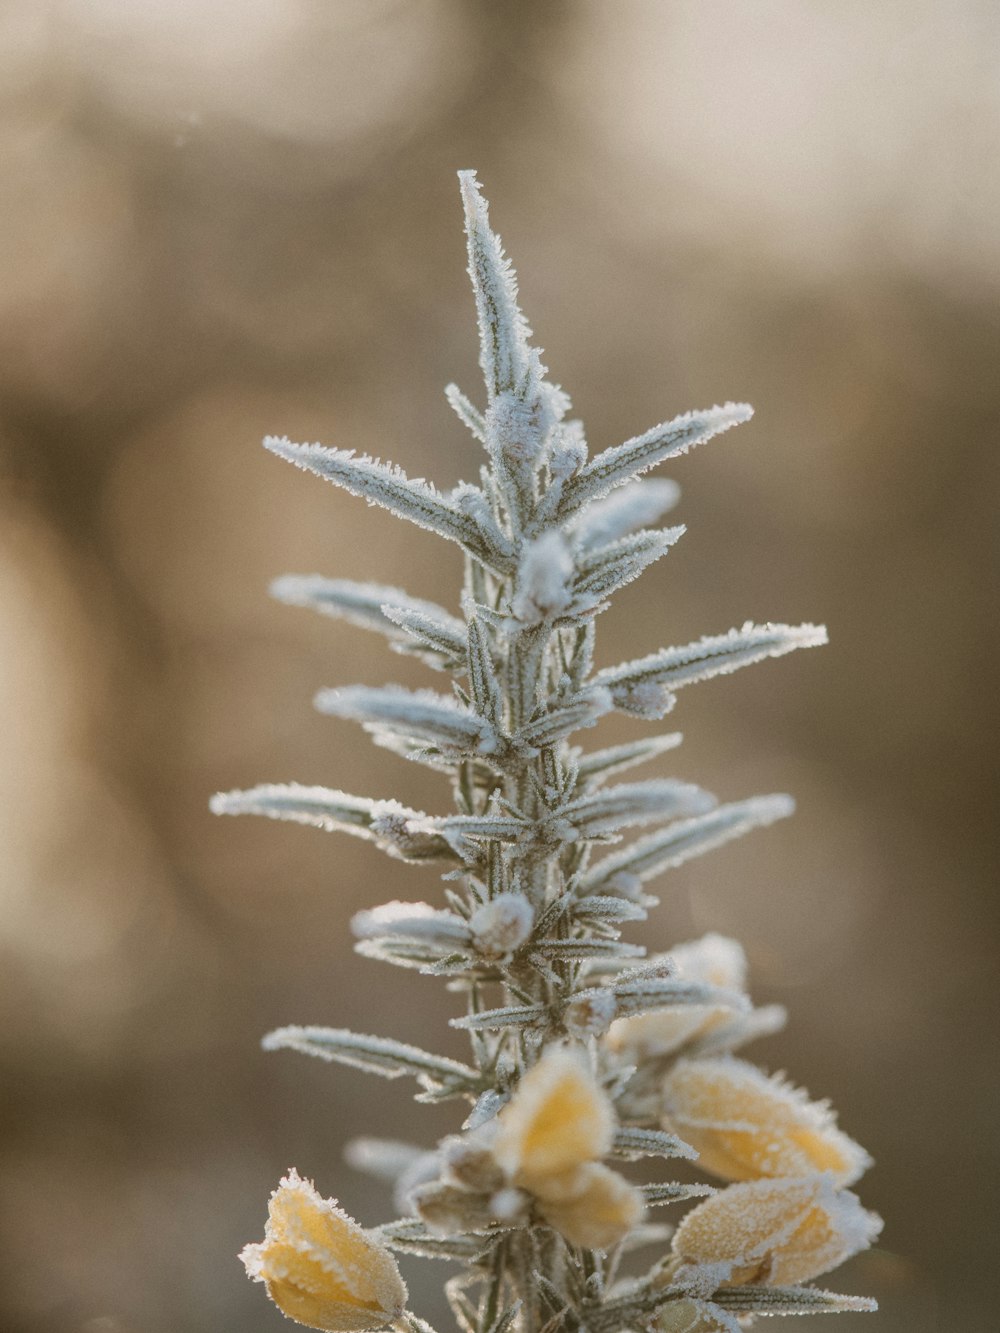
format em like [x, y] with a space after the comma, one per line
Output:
[224, 220]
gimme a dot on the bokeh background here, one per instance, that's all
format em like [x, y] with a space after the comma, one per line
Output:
[223, 220]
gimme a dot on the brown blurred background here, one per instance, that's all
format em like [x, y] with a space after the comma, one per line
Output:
[224, 220]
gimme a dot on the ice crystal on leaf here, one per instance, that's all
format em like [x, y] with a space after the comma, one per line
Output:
[585, 1053]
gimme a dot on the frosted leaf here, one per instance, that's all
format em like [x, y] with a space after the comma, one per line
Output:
[684, 840]
[418, 715]
[503, 330]
[632, 803]
[577, 712]
[792, 1301]
[612, 567]
[487, 693]
[600, 764]
[633, 506]
[387, 486]
[440, 641]
[623, 463]
[717, 655]
[632, 1143]
[469, 415]
[382, 1158]
[394, 828]
[416, 920]
[367, 605]
[375, 1055]
[411, 1236]
[507, 1016]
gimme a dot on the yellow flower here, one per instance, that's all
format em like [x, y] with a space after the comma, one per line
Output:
[712, 959]
[600, 1212]
[557, 1119]
[746, 1125]
[780, 1232]
[320, 1267]
[556, 1126]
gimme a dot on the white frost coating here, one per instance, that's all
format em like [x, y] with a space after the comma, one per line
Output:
[775, 1231]
[503, 331]
[682, 841]
[549, 536]
[422, 716]
[543, 580]
[416, 920]
[624, 462]
[467, 413]
[714, 655]
[636, 505]
[631, 803]
[358, 603]
[590, 1013]
[502, 925]
[746, 1124]
[394, 828]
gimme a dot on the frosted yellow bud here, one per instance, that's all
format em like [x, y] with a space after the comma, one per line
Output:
[714, 960]
[557, 1119]
[557, 1124]
[320, 1268]
[684, 1316]
[780, 1232]
[746, 1125]
[601, 1209]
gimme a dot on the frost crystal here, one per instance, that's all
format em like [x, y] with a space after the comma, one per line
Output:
[583, 1050]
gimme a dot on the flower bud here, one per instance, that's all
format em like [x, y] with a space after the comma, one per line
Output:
[714, 960]
[601, 1211]
[643, 698]
[448, 1210]
[320, 1268]
[510, 1206]
[684, 1316]
[557, 1119]
[567, 449]
[746, 1125]
[590, 1013]
[543, 580]
[778, 1232]
[501, 925]
[470, 1164]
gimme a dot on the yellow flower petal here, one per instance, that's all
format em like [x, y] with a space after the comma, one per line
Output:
[780, 1232]
[746, 1125]
[320, 1267]
[712, 959]
[557, 1119]
[602, 1212]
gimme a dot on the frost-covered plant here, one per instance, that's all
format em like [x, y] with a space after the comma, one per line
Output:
[583, 1049]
